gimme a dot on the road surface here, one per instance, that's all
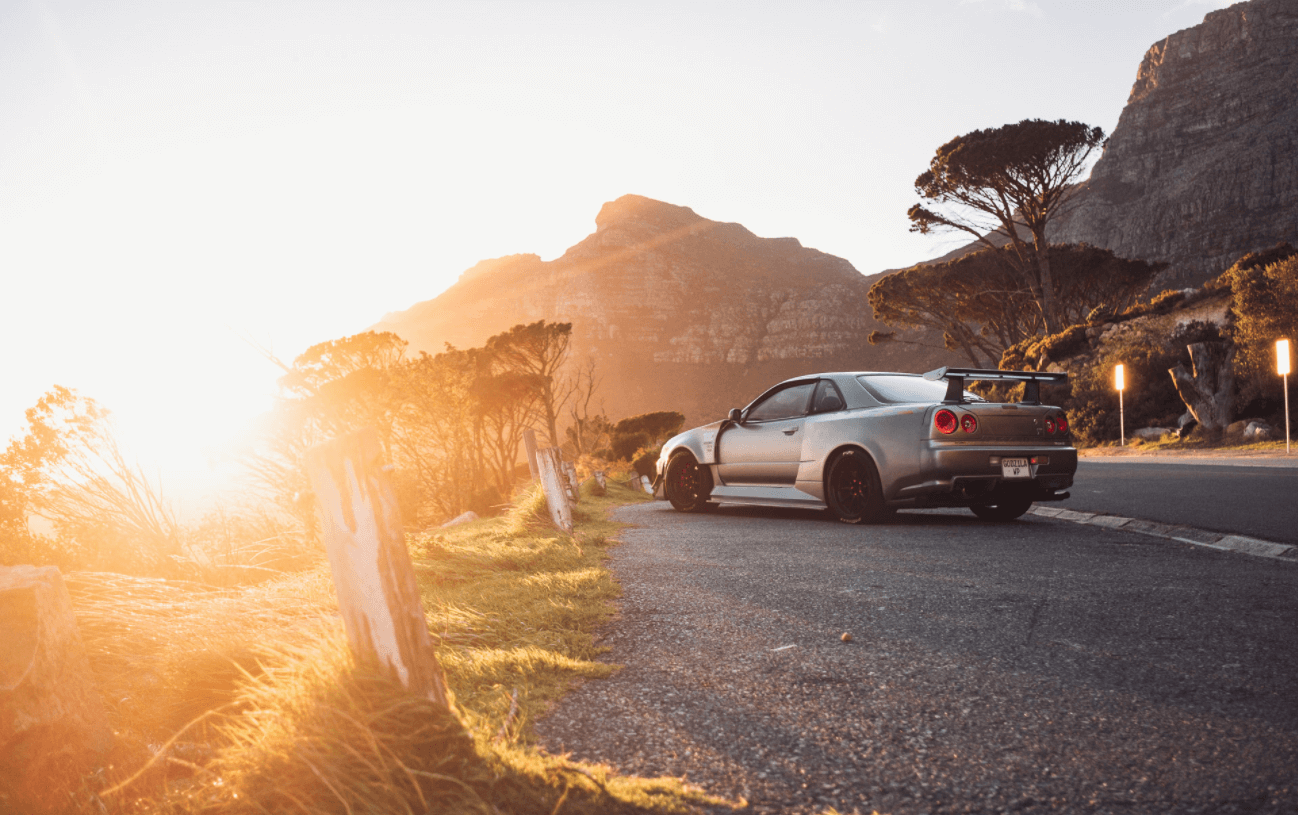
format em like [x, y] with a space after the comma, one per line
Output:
[1034, 666]
[1259, 501]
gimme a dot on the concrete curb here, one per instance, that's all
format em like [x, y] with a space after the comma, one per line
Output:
[1185, 534]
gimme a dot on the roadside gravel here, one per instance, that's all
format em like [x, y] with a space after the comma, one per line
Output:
[1037, 666]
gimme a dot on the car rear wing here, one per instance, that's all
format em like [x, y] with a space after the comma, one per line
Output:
[955, 379]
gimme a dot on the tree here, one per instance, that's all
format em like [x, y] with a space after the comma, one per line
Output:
[587, 431]
[976, 302]
[993, 183]
[539, 349]
[69, 469]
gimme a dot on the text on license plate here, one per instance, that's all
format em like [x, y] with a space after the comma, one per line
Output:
[1015, 468]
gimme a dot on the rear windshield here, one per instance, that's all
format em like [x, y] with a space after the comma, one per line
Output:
[898, 389]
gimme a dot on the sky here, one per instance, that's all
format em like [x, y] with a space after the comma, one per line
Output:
[183, 183]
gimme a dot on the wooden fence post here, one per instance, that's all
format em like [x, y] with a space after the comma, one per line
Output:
[529, 441]
[372, 572]
[556, 496]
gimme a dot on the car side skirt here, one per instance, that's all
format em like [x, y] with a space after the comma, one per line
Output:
[765, 496]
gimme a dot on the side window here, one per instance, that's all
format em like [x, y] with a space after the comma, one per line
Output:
[783, 404]
[828, 398]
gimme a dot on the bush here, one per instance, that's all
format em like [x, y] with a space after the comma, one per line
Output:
[1263, 311]
[1060, 346]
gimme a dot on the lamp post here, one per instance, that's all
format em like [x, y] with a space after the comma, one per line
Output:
[1282, 368]
[1120, 383]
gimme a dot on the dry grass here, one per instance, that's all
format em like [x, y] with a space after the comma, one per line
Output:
[1195, 445]
[248, 700]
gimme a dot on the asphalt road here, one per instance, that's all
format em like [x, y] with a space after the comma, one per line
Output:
[1258, 501]
[1034, 666]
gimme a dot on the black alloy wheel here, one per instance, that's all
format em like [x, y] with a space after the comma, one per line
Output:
[852, 489]
[1005, 508]
[689, 484]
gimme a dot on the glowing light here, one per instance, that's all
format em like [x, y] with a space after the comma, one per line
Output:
[1119, 380]
[1282, 357]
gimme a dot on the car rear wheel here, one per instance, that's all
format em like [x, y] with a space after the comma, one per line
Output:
[852, 489]
[688, 483]
[1005, 509]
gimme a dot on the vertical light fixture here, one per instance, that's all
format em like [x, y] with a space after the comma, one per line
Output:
[1282, 368]
[1120, 383]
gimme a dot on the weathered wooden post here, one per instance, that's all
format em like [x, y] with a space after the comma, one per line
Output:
[574, 486]
[556, 497]
[372, 572]
[529, 442]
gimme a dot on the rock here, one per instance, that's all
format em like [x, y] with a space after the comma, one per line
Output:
[1208, 390]
[1203, 163]
[1235, 429]
[1260, 431]
[50, 710]
[1151, 433]
[462, 518]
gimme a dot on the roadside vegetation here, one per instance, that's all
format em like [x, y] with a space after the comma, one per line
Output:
[1015, 301]
[247, 699]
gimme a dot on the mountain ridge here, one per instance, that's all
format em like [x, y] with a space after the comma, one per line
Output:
[678, 311]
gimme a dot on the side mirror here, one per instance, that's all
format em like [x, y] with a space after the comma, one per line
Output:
[735, 415]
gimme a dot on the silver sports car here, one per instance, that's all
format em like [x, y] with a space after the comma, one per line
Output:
[866, 444]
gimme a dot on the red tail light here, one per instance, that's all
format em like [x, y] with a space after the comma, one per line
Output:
[1063, 423]
[945, 422]
[1050, 426]
[968, 423]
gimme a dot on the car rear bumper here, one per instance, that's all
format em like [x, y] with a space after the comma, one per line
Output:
[958, 476]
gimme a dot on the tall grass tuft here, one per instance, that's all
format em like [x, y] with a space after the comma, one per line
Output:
[247, 699]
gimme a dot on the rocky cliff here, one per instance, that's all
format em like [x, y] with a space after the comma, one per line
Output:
[1202, 166]
[678, 311]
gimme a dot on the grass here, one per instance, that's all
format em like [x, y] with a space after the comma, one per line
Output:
[248, 700]
[1195, 443]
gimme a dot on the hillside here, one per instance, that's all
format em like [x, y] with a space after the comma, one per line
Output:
[1202, 166]
[678, 311]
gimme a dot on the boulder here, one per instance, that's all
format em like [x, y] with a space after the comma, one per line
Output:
[1235, 430]
[50, 710]
[1260, 431]
[462, 518]
[1151, 433]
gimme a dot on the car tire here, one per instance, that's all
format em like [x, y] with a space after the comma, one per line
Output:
[688, 484]
[1005, 509]
[853, 490]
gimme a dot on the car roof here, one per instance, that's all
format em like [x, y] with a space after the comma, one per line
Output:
[809, 377]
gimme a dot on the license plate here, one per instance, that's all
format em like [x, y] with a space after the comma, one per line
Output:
[1015, 468]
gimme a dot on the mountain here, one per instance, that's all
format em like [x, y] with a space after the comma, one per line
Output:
[1203, 164]
[678, 312]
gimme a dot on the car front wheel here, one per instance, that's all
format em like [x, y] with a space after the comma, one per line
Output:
[688, 483]
[853, 490]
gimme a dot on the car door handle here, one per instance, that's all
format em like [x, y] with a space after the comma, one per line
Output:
[791, 431]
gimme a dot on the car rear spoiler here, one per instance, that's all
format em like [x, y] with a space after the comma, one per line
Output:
[955, 379]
